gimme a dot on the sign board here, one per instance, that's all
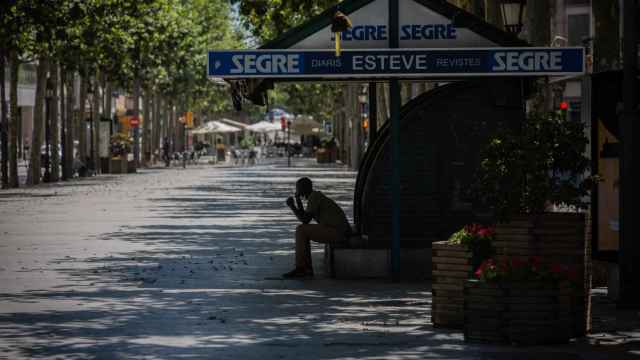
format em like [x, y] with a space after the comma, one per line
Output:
[134, 121]
[328, 127]
[420, 27]
[401, 63]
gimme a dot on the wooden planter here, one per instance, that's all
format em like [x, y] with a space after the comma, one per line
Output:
[518, 313]
[119, 165]
[451, 267]
[555, 238]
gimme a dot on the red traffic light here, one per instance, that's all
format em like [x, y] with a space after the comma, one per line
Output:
[564, 105]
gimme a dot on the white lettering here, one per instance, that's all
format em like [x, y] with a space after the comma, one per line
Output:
[237, 64]
[279, 64]
[527, 61]
[421, 62]
[357, 62]
[250, 64]
[370, 63]
[556, 60]
[499, 58]
[294, 63]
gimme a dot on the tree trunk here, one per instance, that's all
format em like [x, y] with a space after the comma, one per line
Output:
[146, 128]
[157, 124]
[13, 126]
[71, 120]
[54, 133]
[606, 46]
[4, 123]
[136, 130]
[95, 118]
[81, 119]
[538, 22]
[63, 125]
[39, 123]
[492, 13]
[538, 32]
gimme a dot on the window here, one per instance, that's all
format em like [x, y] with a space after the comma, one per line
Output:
[579, 28]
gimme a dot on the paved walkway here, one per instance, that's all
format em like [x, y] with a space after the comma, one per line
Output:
[173, 263]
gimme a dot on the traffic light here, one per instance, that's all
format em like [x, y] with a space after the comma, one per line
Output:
[365, 123]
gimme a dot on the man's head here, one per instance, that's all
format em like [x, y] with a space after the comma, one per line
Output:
[304, 187]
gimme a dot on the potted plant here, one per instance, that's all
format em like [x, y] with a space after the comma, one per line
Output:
[534, 177]
[453, 262]
[120, 148]
[520, 301]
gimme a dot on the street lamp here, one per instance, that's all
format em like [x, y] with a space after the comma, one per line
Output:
[513, 12]
[47, 129]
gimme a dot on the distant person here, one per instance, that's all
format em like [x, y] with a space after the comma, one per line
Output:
[166, 152]
[332, 224]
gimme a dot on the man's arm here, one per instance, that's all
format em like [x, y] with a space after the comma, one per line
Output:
[298, 211]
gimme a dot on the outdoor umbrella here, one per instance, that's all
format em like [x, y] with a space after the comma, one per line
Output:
[264, 127]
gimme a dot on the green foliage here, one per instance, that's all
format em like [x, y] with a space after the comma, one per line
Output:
[521, 269]
[478, 240]
[268, 19]
[540, 164]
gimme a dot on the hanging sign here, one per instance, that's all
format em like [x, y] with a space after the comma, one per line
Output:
[401, 63]
[420, 26]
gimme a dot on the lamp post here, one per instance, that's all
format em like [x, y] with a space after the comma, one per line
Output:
[47, 130]
[513, 12]
[362, 99]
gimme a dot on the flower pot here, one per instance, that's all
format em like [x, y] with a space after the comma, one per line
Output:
[523, 313]
[451, 267]
[554, 237]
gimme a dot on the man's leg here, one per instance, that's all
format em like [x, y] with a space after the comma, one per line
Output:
[305, 233]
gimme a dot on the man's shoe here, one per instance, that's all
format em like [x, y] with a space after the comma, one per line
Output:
[298, 273]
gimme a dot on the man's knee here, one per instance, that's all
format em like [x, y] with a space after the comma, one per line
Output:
[301, 230]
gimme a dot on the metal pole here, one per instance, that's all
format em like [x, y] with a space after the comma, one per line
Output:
[394, 94]
[373, 112]
[288, 144]
[629, 250]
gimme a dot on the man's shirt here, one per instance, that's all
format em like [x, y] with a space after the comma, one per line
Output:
[327, 213]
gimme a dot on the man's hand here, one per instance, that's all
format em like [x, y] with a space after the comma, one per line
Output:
[290, 202]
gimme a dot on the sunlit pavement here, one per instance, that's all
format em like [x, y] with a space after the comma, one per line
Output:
[181, 263]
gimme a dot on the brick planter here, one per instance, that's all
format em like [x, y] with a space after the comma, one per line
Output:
[517, 313]
[451, 267]
[556, 238]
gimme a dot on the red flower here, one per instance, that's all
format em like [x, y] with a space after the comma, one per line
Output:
[557, 269]
[518, 263]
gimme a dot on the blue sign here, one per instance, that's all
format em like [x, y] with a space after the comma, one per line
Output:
[396, 63]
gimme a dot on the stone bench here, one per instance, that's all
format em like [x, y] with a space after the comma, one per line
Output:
[351, 259]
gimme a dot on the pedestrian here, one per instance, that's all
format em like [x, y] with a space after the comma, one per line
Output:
[165, 152]
[332, 224]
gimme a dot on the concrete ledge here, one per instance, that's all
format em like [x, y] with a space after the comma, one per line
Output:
[415, 264]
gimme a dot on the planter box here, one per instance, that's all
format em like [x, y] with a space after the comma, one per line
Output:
[555, 237]
[518, 313]
[119, 165]
[451, 268]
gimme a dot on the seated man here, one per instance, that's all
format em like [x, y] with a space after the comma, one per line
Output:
[332, 224]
